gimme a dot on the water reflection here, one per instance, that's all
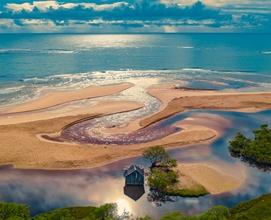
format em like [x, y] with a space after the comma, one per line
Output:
[134, 192]
[46, 190]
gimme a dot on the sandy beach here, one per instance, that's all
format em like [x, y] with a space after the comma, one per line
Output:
[53, 99]
[22, 130]
[28, 151]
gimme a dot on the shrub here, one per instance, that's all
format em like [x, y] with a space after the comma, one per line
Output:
[256, 151]
[161, 180]
[104, 212]
[13, 211]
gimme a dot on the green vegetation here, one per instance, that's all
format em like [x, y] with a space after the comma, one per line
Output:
[158, 157]
[259, 208]
[255, 209]
[215, 213]
[105, 212]
[194, 191]
[13, 211]
[256, 151]
[164, 178]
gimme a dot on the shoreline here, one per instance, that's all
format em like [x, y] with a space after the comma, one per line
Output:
[29, 151]
[57, 98]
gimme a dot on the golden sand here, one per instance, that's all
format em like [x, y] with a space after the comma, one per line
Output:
[212, 177]
[19, 131]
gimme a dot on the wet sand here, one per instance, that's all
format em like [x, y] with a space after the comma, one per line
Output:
[22, 145]
[177, 100]
[58, 98]
[98, 108]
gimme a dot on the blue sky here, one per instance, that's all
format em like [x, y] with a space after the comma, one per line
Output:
[129, 16]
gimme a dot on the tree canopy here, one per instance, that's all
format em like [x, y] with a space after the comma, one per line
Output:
[256, 150]
[158, 156]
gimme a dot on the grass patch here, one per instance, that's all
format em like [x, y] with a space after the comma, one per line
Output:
[193, 191]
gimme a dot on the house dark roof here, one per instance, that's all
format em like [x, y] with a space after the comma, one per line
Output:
[132, 169]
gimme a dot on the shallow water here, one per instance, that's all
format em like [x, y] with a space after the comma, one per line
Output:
[32, 63]
[46, 190]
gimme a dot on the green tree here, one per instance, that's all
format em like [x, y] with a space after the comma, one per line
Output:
[158, 156]
[238, 144]
[256, 151]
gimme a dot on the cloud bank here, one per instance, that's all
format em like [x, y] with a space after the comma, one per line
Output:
[134, 16]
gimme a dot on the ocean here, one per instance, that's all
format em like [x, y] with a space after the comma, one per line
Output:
[33, 63]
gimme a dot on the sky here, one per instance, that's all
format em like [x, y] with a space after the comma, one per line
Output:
[135, 16]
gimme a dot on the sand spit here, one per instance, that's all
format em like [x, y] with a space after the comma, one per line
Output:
[58, 98]
[215, 179]
[21, 147]
[176, 100]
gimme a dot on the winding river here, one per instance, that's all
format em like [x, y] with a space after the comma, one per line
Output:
[46, 190]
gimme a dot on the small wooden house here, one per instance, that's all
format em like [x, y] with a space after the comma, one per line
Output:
[134, 176]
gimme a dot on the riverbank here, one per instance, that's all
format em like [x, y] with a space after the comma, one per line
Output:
[22, 130]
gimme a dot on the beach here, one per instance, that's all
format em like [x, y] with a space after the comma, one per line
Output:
[23, 130]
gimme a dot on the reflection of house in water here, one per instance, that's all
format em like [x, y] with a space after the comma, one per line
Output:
[134, 192]
[134, 182]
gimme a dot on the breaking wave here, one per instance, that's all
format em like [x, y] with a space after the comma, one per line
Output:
[192, 77]
[41, 51]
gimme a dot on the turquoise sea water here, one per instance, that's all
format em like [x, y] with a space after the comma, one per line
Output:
[30, 63]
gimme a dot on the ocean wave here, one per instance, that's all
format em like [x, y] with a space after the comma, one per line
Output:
[266, 52]
[42, 51]
[194, 77]
[186, 47]
[8, 90]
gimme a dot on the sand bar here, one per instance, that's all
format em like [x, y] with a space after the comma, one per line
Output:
[21, 147]
[215, 180]
[99, 108]
[177, 100]
[58, 98]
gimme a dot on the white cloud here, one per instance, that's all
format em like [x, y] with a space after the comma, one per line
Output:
[54, 5]
[103, 7]
[45, 5]
[19, 7]
[216, 3]
[6, 23]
